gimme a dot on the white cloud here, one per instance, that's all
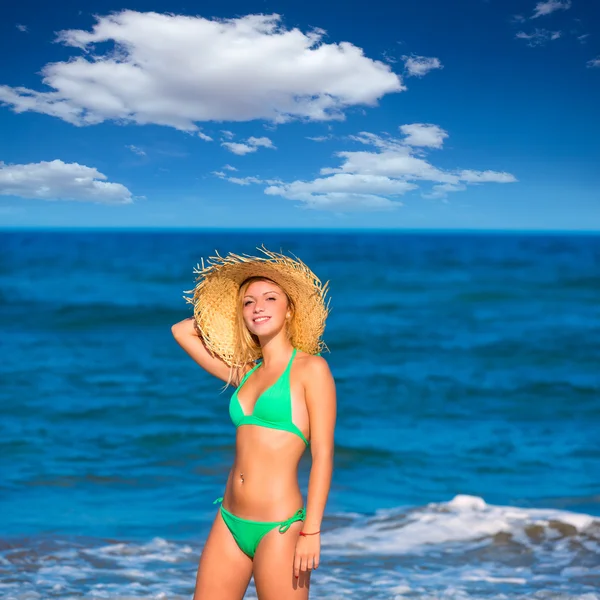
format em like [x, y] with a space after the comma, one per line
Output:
[539, 37]
[244, 180]
[470, 176]
[343, 191]
[550, 6]
[229, 168]
[229, 135]
[372, 180]
[239, 149]
[204, 137]
[264, 142]
[583, 38]
[594, 63]
[343, 202]
[136, 150]
[519, 19]
[348, 183]
[22, 28]
[56, 180]
[370, 139]
[252, 145]
[319, 138]
[393, 160]
[178, 71]
[441, 190]
[389, 58]
[423, 134]
[418, 66]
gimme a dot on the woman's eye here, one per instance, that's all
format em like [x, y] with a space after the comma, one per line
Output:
[270, 298]
[247, 302]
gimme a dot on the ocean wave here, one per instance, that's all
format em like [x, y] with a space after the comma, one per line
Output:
[465, 521]
[464, 549]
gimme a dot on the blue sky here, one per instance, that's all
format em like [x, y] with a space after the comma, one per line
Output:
[433, 114]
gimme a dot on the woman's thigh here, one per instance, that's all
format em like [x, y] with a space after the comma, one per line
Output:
[274, 566]
[224, 571]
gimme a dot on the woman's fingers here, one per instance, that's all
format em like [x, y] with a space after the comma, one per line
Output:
[305, 563]
[297, 566]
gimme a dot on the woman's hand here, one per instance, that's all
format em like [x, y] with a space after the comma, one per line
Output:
[308, 551]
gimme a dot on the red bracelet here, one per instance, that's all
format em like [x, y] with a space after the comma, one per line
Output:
[305, 534]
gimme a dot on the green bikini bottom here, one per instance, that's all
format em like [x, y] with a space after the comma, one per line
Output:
[248, 534]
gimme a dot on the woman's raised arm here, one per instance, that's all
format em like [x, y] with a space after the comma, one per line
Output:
[189, 338]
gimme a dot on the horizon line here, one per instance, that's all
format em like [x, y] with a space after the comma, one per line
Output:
[306, 230]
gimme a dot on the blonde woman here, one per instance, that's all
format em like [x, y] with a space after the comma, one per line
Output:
[257, 324]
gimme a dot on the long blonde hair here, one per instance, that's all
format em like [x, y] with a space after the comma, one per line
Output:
[247, 346]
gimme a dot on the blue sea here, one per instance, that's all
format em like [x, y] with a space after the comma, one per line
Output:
[467, 458]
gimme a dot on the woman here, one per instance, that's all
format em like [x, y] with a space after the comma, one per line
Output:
[270, 308]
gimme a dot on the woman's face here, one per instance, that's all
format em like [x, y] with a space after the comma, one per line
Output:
[264, 308]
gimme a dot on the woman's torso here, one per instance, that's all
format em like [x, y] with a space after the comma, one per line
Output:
[269, 411]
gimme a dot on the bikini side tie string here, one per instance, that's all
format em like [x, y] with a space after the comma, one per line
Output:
[299, 515]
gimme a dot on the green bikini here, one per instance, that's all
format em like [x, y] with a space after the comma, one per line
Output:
[273, 409]
[248, 534]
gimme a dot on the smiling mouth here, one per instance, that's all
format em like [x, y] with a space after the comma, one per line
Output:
[260, 320]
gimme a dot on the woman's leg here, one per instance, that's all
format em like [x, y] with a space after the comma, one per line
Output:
[224, 571]
[274, 566]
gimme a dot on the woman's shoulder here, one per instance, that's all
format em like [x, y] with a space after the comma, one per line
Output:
[312, 364]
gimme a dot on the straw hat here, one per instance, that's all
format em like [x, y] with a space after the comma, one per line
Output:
[216, 294]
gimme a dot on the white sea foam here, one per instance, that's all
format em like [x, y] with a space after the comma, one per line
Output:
[462, 519]
[464, 549]
[132, 554]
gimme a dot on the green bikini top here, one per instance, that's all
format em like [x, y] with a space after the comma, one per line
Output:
[273, 407]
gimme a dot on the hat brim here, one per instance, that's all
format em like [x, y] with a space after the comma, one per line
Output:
[215, 298]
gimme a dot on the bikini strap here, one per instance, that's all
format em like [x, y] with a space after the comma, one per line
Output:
[289, 366]
[299, 515]
[248, 374]
[285, 373]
